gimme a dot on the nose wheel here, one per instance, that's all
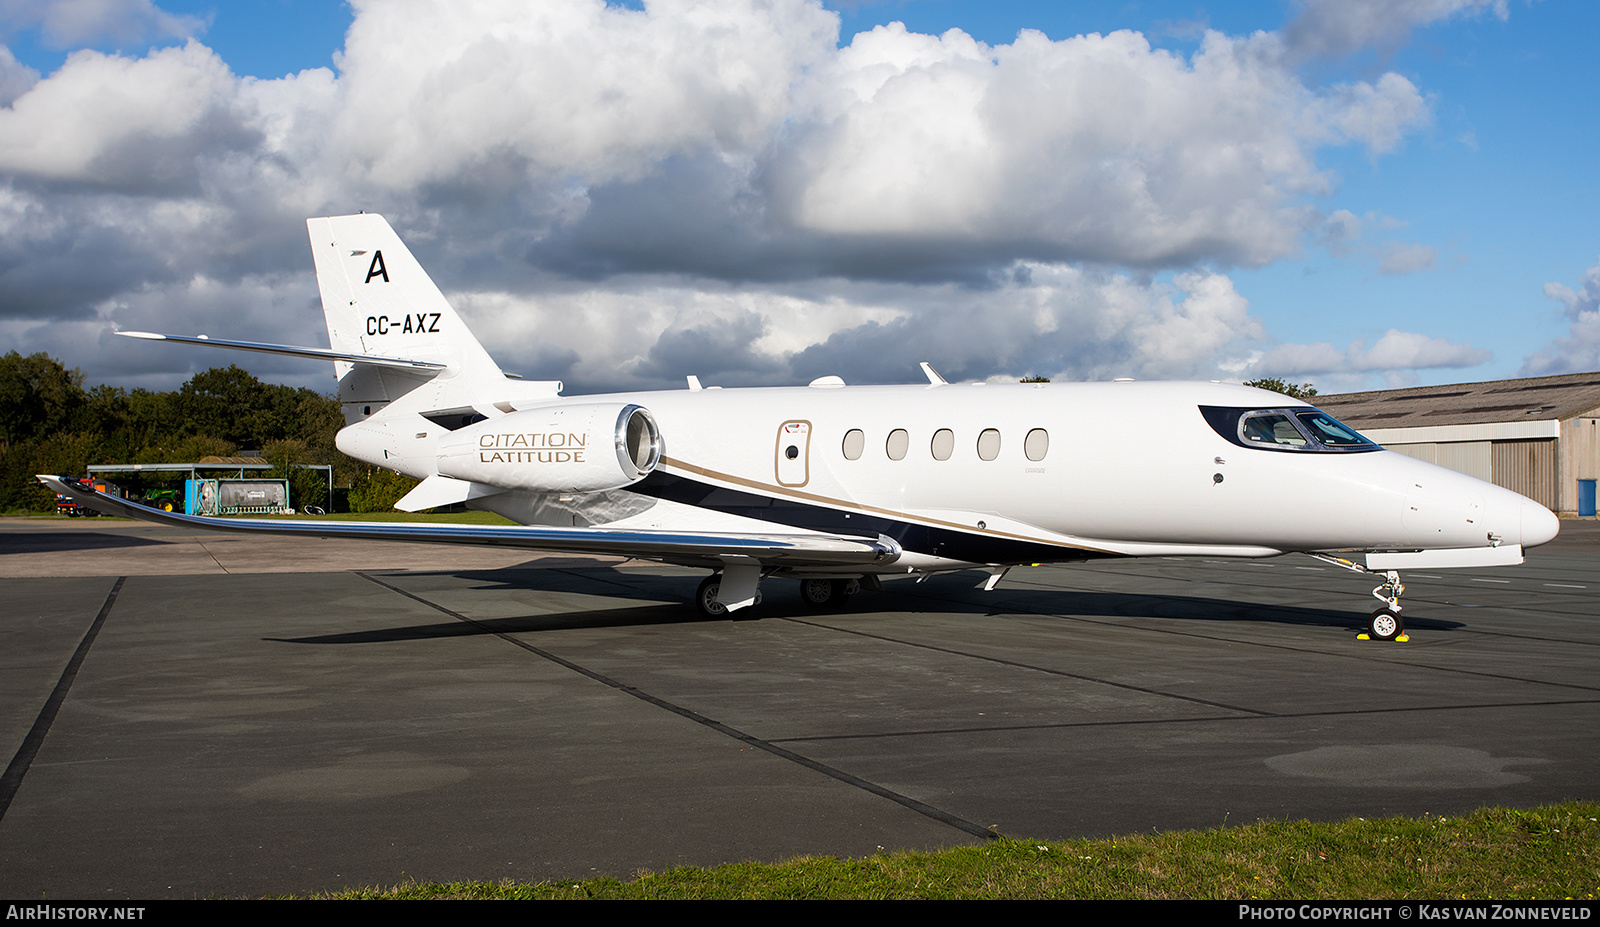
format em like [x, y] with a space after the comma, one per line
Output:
[1386, 623]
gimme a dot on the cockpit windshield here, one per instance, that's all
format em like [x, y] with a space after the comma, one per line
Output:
[1300, 429]
[1330, 432]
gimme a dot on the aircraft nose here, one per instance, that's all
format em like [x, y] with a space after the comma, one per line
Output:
[1539, 524]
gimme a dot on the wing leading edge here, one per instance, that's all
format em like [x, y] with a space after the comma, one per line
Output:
[687, 548]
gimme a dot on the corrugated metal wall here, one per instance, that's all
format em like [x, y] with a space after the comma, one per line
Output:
[1469, 457]
[1528, 467]
[1419, 451]
[1579, 458]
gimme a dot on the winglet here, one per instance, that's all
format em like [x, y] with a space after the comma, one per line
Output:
[933, 375]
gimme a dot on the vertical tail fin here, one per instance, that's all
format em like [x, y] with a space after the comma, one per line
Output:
[378, 300]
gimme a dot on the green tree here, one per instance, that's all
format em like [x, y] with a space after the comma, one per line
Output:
[288, 458]
[222, 402]
[38, 396]
[50, 424]
[377, 490]
[64, 453]
[1303, 391]
[187, 449]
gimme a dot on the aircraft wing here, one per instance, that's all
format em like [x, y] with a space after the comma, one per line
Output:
[687, 548]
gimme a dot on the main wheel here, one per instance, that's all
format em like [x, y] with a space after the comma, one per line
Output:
[1385, 625]
[705, 598]
[827, 593]
[819, 593]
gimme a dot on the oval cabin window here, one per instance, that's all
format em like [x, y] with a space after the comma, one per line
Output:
[899, 441]
[1037, 444]
[989, 444]
[944, 442]
[855, 440]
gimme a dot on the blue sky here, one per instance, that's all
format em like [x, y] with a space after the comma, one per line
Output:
[1417, 204]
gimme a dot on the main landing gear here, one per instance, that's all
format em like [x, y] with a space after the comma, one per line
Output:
[827, 593]
[705, 598]
[815, 593]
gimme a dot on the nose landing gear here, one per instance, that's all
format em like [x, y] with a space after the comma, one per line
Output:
[1385, 624]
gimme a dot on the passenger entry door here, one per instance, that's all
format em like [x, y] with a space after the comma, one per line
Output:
[793, 453]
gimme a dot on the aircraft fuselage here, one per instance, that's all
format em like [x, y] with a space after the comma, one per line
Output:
[999, 473]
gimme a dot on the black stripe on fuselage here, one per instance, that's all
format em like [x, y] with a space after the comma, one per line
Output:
[970, 547]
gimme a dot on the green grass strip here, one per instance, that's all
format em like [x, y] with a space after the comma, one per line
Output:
[1543, 854]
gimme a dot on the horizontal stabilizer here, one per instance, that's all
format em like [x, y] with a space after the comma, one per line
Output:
[403, 363]
[685, 548]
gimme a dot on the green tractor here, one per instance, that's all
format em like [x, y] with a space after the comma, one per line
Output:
[167, 500]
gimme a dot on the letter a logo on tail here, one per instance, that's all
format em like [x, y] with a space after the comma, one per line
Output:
[377, 269]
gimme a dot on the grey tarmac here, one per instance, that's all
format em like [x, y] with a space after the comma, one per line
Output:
[250, 716]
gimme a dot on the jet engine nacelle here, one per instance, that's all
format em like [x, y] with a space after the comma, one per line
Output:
[570, 447]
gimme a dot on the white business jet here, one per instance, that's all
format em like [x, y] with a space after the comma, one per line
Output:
[837, 486]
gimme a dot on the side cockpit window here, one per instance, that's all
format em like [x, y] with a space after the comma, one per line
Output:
[1271, 429]
[1303, 429]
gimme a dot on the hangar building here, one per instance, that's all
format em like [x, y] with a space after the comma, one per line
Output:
[1537, 436]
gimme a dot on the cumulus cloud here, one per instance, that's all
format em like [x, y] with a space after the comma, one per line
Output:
[1378, 114]
[15, 77]
[1096, 147]
[1326, 28]
[432, 91]
[1580, 349]
[1053, 320]
[1398, 258]
[630, 193]
[1394, 351]
[1344, 234]
[129, 124]
[1050, 319]
[119, 23]
[1340, 231]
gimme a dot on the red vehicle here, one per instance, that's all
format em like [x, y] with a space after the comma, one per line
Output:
[66, 506]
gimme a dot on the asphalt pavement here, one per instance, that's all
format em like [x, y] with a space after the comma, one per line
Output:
[200, 716]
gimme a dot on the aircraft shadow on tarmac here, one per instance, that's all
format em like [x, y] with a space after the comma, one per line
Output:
[45, 542]
[667, 602]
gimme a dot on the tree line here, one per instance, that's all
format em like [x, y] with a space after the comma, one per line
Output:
[51, 423]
